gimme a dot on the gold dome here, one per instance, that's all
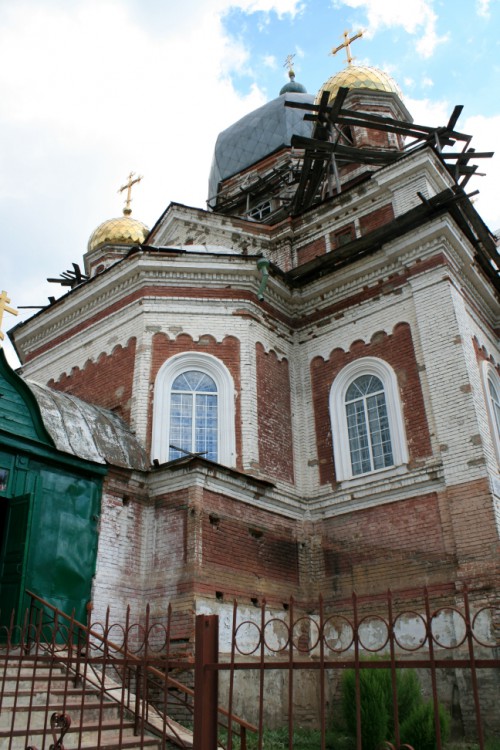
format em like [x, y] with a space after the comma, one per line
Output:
[121, 231]
[359, 77]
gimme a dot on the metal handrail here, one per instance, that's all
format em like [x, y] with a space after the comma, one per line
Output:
[169, 681]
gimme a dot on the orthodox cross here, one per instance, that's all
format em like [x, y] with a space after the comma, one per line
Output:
[289, 63]
[128, 187]
[347, 42]
[4, 307]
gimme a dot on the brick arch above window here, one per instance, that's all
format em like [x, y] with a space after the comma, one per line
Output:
[389, 409]
[220, 375]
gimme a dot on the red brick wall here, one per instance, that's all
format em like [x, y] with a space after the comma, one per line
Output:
[376, 219]
[367, 137]
[274, 415]
[398, 545]
[246, 551]
[227, 351]
[471, 516]
[107, 382]
[397, 350]
[311, 250]
[342, 236]
[428, 540]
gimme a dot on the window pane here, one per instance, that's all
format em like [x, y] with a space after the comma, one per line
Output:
[193, 380]
[206, 426]
[358, 437]
[193, 415]
[363, 385]
[368, 425]
[379, 431]
[181, 420]
[495, 401]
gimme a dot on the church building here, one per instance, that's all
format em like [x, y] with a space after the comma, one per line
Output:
[295, 391]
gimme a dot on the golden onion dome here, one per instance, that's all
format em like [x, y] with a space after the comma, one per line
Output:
[121, 231]
[359, 77]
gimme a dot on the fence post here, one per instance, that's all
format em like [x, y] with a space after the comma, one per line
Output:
[205, 682]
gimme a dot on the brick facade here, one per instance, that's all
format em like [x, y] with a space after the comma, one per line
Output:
[396, 349]
[280, 521]
[106, 382]
[397, 545]
[228, 351]
[274, 414]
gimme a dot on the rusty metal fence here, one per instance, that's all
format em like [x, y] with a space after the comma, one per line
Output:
[254, 669]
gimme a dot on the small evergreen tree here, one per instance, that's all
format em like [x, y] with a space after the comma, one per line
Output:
[416, 717]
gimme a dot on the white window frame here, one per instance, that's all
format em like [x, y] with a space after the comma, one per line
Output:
[168, 372]
[338, 417]
[490, 373]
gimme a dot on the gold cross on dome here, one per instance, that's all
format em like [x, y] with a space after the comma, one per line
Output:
[128, 187]
[347, 44]
[4, 307]
[289, 63]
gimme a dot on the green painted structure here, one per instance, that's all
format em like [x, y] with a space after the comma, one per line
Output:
[49, 509]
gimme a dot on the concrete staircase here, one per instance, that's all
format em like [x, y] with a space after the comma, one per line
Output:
[34, 690]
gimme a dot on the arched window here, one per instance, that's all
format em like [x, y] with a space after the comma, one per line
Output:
[193, 409]
[193, 415]
[367, 424]
[492, 385]
[370, 443]
[495, 404]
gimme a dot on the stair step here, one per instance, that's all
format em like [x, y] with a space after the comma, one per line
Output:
[88, 705]
[126, 743]
[43, 690]
[35, 689]
[105, 726]
[110, 742]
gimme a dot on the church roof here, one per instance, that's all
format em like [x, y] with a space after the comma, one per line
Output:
[123, 230]
[293, 86]
[360, 77]
[257, 135]
[87, 431]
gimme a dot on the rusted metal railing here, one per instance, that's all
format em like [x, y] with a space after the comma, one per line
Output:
[121, 668]
[274, 666]
[442, 643]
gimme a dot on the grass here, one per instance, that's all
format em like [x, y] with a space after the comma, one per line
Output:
[307, 739]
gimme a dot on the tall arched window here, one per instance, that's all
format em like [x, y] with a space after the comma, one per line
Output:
[367, 422]
[492, 386]
[370, 444]
[193, 415]
[194, 409]
[495, 404]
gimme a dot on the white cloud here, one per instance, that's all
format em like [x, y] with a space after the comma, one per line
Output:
[428, 111]
[485, 132]
[280, 7]
[486, 137]
[414, 16]
[270, 61]
[483, 8]
[91, 91]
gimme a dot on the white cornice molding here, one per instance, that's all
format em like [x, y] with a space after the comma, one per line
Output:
[281, 499]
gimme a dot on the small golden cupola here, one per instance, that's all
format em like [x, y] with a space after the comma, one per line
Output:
[371, 91]
[361, 77]
[113, 238]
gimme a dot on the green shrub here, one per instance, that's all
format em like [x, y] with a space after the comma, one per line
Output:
[374, 715]
[418, 729]
[416, 718]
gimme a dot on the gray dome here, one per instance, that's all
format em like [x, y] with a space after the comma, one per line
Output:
[257, 135]
[293, 87]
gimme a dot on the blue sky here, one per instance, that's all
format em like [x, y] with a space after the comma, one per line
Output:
[447, 51]
[93, 89]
